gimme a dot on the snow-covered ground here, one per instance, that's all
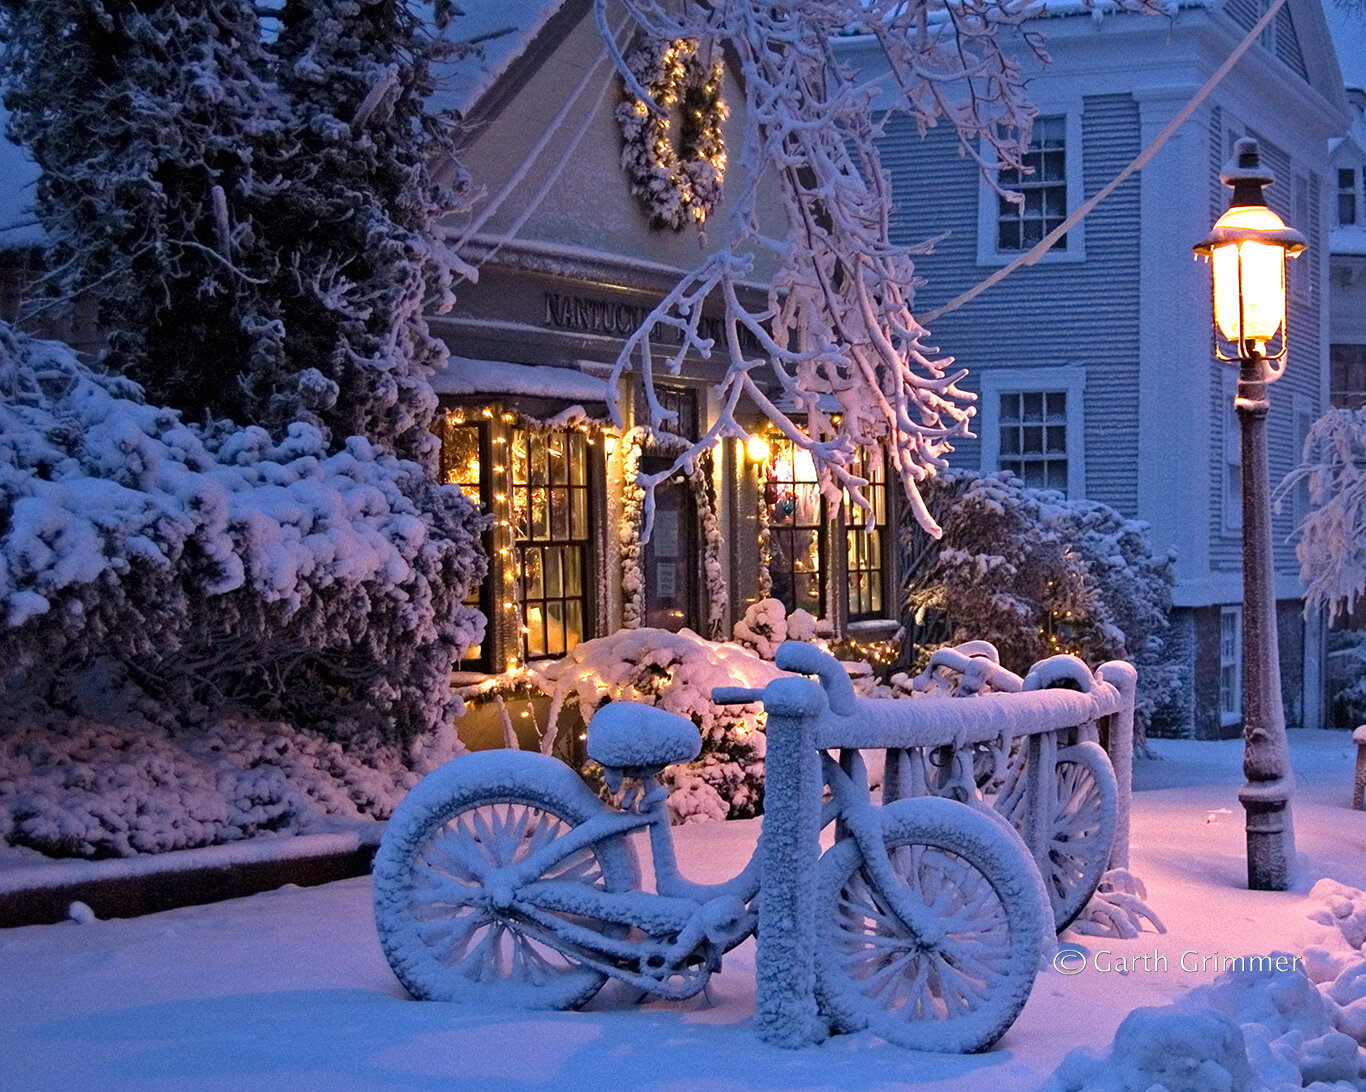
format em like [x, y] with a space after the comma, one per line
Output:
[290, 990]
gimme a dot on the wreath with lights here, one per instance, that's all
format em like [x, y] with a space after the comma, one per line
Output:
[680, 185]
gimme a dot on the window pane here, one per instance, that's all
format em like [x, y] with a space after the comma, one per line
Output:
[1033, 406]
[573, 624]
[554, 637]
[1010, 235]
[1057, 476]
[535, 623]
[1057, 403]
[554, 585]
[559, 513]
[533, 574]
[1032, 437]
[579, 522]
[578, 459]
[540, 515]
[558, 447]
[1034, 475]
[573, 570]
[1057, 439]
[540, 470]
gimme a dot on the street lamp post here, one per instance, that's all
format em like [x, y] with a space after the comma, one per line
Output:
[1247, 249]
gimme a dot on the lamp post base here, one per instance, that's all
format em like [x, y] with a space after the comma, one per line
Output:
[1270, 835]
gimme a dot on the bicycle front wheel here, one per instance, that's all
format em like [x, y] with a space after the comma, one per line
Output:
[958, 987]
[442, 935]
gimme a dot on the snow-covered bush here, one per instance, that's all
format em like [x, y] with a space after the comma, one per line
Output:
[83, 786]
[677, 671]
[1037, 574]
[767, 624]
[224, 570]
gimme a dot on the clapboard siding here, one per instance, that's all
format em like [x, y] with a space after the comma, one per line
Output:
[1287, 40]
[1073, 313]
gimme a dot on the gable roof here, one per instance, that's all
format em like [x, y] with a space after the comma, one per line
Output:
[508, 36]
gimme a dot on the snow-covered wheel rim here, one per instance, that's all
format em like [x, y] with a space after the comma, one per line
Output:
[444, 941]
[959, 991]
[1084, 818]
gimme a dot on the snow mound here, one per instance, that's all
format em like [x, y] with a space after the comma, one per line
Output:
[1257, 1026]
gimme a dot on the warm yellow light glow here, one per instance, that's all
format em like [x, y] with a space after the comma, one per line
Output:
[609, 443]
[757, 449]
[1249, 278]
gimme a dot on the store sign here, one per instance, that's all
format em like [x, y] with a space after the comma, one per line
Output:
[614, 318]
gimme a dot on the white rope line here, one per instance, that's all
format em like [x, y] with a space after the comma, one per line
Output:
[1044, 245]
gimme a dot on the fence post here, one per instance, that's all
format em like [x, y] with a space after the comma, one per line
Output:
[1123, 678]
[789, 846]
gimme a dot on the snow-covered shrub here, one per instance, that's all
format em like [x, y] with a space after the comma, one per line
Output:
[677, 671]
[1037, 574]
[1347, 677]
[222, 569]
[767, 624]
[81, 786]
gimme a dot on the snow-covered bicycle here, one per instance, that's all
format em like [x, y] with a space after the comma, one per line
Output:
[502, 879]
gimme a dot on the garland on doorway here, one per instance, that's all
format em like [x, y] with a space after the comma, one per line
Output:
[684, 183]
[633, 445]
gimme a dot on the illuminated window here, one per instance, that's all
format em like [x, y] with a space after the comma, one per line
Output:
[464, 462]
[796, 517]
[549, 482]
[1033, 437]
[865, 542]
[1044, 185]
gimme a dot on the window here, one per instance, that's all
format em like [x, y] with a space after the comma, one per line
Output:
[1347, 376]
[464, 462]
[1347, 195]
[1051, 183]
[1033, 431]
[865, 542]
[1233, 455]
[1230, 665]
[796, 518]
[1044, 185]
[1031, 425]
[549, 484]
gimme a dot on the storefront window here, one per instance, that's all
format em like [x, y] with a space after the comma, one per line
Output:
[549, 483]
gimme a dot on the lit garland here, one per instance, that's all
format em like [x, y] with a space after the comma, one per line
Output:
[676, 186]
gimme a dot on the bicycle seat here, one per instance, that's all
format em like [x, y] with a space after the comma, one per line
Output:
[627, 735]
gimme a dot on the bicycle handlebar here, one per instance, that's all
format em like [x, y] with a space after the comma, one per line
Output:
[735, 695]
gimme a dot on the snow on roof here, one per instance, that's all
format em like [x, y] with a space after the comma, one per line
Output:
[1349, 239]
[502, 30]
[466, 376]
[17, 174]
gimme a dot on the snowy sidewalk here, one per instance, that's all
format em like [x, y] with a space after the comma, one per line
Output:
[290, 990]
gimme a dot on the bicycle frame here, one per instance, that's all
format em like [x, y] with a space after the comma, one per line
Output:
[688, 925]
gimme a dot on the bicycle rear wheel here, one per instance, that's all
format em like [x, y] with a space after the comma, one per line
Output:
[442, 935]
[961, 987]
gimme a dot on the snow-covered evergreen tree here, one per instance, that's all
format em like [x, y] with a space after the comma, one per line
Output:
[159, 140]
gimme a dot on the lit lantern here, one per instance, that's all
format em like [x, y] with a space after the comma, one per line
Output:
[1247, 248]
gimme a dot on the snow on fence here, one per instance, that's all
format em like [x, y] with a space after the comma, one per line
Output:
[1026, 729]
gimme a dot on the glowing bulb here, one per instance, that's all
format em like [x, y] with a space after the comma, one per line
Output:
[757, 449]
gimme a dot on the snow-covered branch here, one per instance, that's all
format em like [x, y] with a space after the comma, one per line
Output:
[834, 358]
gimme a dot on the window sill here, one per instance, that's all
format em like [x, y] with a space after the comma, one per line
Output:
[996, 257]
